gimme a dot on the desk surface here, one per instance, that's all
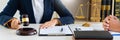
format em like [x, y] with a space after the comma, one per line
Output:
[9, 34]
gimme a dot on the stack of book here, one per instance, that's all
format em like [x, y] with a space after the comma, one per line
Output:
[106, 8]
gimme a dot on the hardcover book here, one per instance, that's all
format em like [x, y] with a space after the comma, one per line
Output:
[95, 10]
[117, 8]
[92, 35]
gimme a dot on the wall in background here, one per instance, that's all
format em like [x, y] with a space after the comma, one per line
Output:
[74, 7]
[3, 3]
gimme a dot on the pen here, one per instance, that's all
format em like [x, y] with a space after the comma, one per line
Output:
[61, 30]
[77, 29]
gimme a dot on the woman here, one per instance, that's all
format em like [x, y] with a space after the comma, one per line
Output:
[39, 11]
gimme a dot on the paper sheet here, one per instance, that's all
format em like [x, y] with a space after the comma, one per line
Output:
[56, 30]
[84, 29]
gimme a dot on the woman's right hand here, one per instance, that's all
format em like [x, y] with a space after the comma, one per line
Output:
[15, 24]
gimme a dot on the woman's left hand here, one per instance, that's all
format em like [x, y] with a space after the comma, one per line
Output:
[49, 24]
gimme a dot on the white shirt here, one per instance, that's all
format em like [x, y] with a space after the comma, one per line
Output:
[38, 8]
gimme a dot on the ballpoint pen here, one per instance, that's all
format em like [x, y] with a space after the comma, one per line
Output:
[61, 30]
[77, 29]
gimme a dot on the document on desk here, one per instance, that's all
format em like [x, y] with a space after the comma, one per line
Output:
[56, 31]
[84, 29]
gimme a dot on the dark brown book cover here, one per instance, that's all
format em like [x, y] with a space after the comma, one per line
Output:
[103, 9]
[117, 8]
[108, 7]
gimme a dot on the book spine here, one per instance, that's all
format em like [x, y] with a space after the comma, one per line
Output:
[95, 10]
[117, 8]
[103, 9]
[108, 7]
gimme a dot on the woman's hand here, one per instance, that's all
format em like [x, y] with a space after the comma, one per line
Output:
[49, 24]
[15, 24]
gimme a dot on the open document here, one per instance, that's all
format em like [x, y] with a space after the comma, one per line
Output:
[56, 31]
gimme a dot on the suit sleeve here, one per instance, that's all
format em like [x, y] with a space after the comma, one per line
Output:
[65, 15]
[7, 14]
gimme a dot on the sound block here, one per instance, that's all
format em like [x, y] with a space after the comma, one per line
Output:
[26, 31]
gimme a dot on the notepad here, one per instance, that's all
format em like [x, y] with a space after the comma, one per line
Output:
[56, 31]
